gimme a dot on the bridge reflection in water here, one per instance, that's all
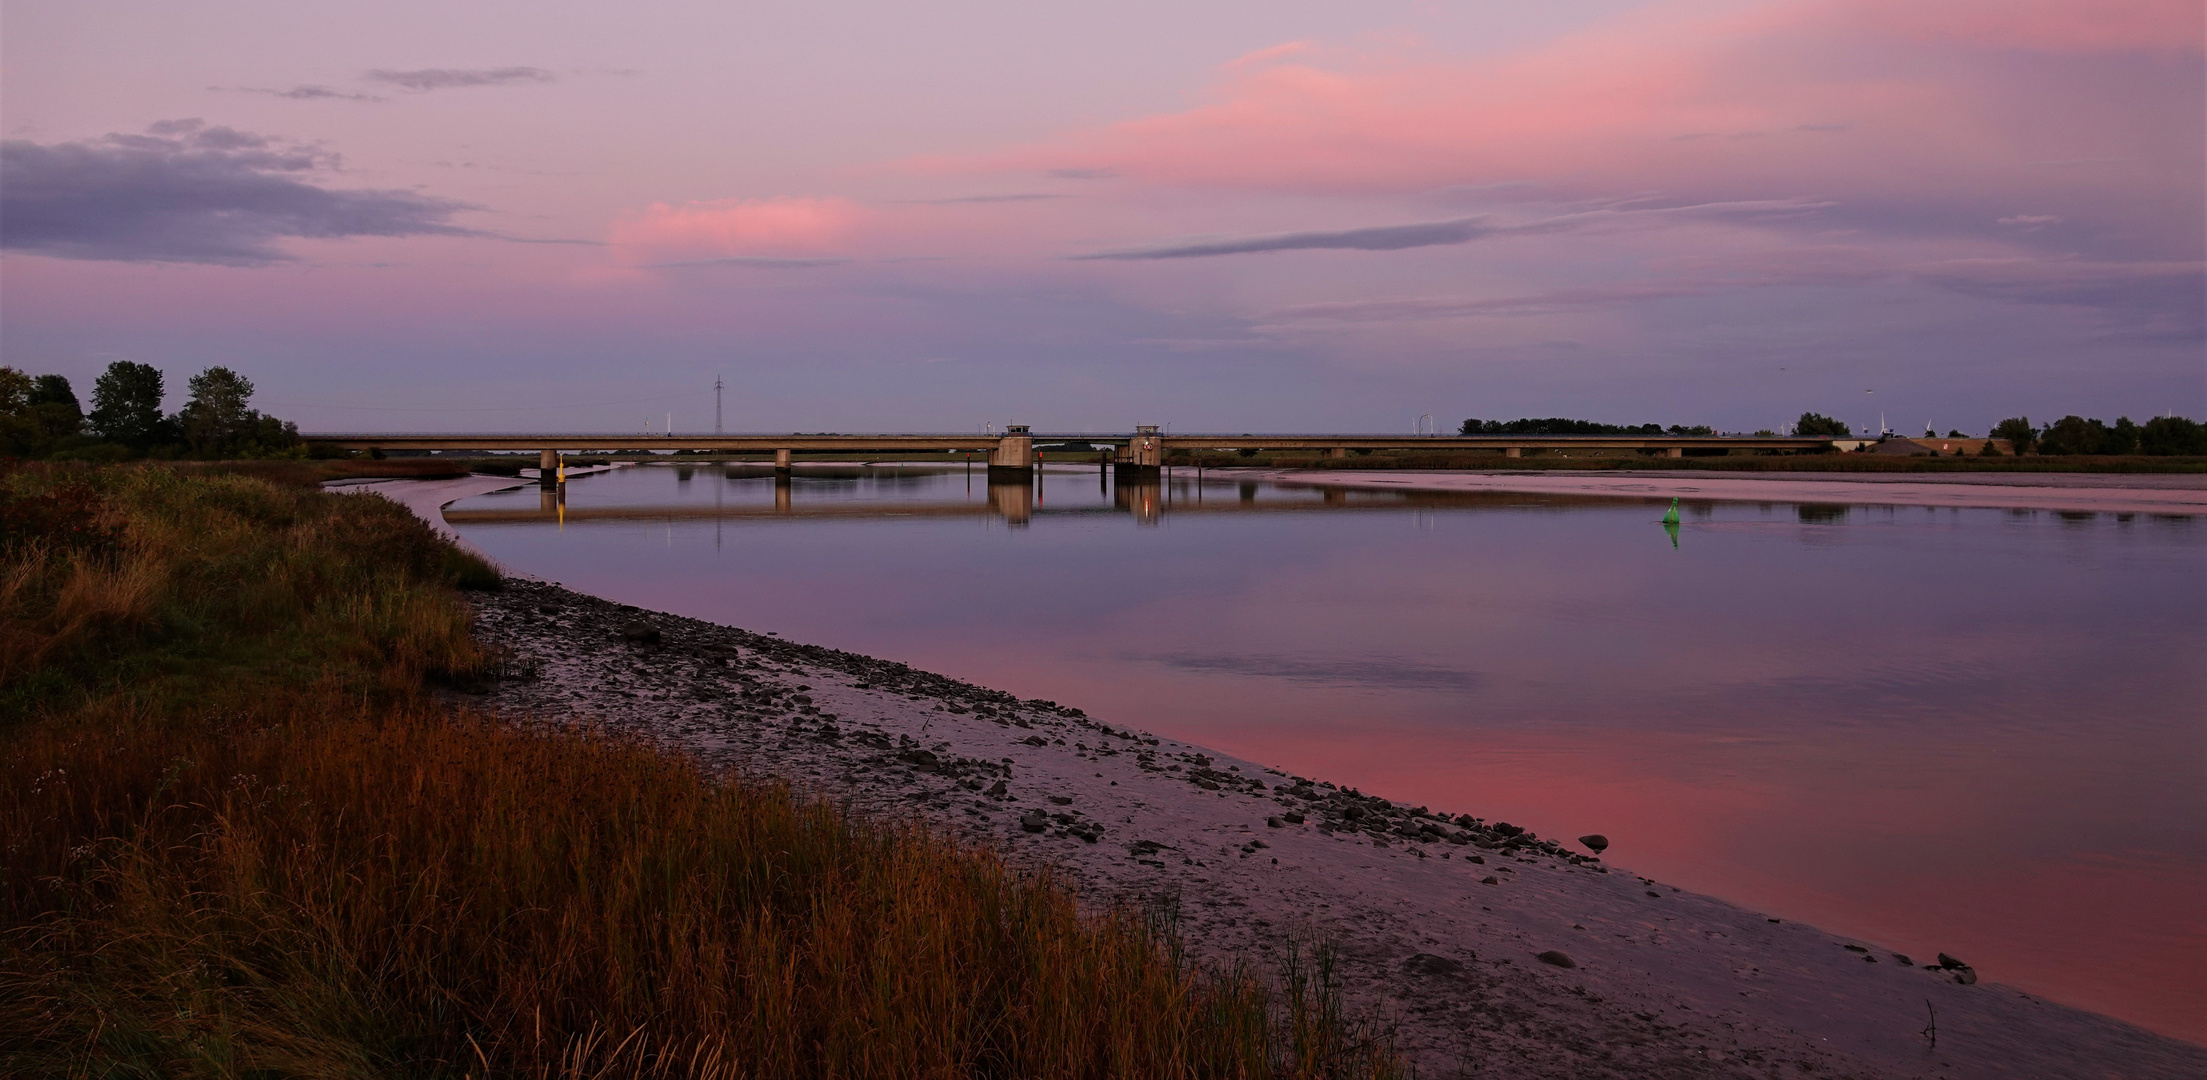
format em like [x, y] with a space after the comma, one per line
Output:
[1016, 503]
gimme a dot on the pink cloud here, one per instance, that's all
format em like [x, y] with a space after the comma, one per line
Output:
[2163, 26]
[784, 227]
[1868, 98]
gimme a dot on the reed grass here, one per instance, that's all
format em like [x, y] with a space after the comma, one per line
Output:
[240, 840]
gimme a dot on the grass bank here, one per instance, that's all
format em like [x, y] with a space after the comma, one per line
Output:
[244, 838]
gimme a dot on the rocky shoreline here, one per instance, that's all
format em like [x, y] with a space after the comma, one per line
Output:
[1484, 950]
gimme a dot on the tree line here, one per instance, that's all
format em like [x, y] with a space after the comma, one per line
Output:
[2159, 436]
[40, 416]
[1557, 425]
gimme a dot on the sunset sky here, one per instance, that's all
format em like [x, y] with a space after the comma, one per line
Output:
[1230, 216]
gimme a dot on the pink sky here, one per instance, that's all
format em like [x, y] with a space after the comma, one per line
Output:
[1275, 216]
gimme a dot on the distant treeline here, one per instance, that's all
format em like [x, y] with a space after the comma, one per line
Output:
[40, 417]
[1557, 425]
[2160, 436]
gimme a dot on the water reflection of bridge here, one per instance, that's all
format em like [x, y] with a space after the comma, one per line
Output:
[1017, 504]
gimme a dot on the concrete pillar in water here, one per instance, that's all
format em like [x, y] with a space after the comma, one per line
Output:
[1013, 459]
[547, 468]
[1675, 451]
[1144, 455]
[781, 460]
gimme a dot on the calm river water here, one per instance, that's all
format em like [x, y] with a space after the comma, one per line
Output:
[1970, 731]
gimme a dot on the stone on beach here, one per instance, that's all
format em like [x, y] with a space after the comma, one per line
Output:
[1429, 964]
[640, 632]
[1595, 842]
[1557, 957]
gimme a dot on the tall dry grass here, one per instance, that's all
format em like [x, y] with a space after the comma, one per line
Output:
[301, 868]
[140, 579]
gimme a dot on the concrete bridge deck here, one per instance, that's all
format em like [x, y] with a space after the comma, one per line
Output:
[1013, 451]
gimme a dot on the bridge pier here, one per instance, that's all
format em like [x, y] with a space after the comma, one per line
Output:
[781, 460]
[1143, 459]
[1338, 452]
[547, 468]
[1013, 459]
[1513, 451]
[1674, 451]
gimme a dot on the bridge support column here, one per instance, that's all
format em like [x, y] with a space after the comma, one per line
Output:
[1338, 452]
[1513, 451]
[781, 460]
[1144, 457]
[1013, 459]
[547, 468]
[1674, 451]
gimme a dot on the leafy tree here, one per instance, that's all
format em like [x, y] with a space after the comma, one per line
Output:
[2018, 431]
[20, 434]
[217, 411]
[2165, 435]
[54, 390]
[55, 406]
[1814, 424]
[15, 392]
[126, 405]
[1955, 433]
[2120, 439]
[217, 420]
[1990, 449]
[2077, 435]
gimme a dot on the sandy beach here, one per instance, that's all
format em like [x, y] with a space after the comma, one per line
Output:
[1486, 951]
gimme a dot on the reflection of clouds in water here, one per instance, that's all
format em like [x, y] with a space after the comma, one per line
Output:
[1385, 674]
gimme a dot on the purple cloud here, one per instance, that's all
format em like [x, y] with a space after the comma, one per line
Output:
[186, 192]
[426, 79]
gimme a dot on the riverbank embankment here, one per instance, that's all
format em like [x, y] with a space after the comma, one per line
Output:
[1490, 952]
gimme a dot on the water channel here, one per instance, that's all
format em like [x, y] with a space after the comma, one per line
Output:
[1980, 732]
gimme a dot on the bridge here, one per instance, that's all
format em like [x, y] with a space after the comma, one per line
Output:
[1012, 454]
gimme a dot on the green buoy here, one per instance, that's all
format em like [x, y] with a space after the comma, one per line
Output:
[1670, 517]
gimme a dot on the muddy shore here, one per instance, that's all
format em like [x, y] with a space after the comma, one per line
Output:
[1442, 918]
[2071, 493]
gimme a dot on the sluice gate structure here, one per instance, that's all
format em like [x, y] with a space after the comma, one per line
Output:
[1012, 454]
